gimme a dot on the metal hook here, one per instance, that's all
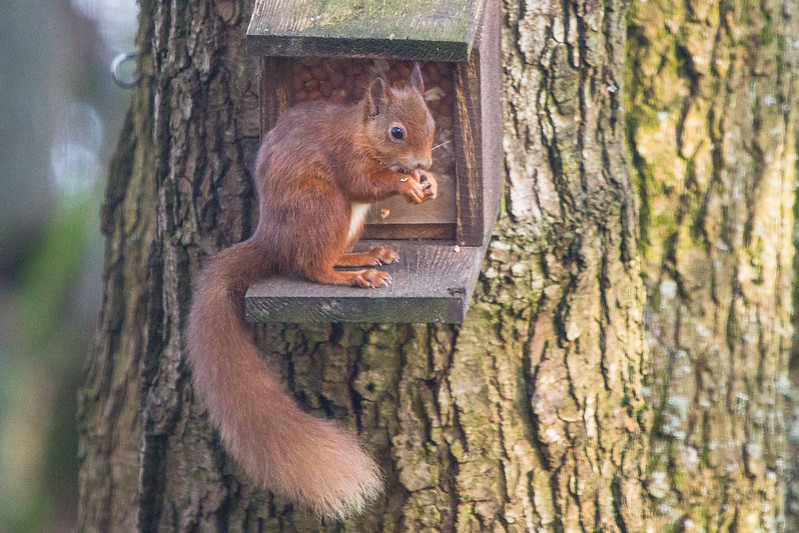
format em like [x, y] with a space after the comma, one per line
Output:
[115, 75]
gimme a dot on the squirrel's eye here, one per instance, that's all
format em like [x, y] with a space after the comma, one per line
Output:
[398, 133]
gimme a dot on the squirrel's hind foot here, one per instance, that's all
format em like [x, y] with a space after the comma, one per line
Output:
[371, 278]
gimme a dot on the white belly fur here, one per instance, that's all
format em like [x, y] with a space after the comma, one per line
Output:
[357, 216]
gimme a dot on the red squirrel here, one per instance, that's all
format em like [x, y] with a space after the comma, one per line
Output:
[317, 171]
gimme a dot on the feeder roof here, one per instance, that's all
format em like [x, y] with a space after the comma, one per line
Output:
[431, 30]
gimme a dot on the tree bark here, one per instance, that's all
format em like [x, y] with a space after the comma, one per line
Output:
[712, 125]
[528, 416]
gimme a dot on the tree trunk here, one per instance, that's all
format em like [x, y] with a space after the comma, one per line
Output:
[712, 125]
[529, 416]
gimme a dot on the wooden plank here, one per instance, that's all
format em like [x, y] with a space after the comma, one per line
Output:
[488, 43]
[410, 231]
[431, 283]
[439, 30]
[468, 153]
[276, 90]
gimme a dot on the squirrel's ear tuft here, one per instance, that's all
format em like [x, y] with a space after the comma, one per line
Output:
[376, 97]
[416, 78]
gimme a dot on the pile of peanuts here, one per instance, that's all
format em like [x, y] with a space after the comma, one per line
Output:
[346, 80]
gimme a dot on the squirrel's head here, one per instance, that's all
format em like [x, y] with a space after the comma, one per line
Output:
[399, 124]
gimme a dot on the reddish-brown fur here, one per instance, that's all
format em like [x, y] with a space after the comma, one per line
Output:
[317, 161]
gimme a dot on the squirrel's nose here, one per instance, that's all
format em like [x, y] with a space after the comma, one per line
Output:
[425, 163]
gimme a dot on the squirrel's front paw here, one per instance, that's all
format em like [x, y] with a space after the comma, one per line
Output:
[412, 190]
[428, 183]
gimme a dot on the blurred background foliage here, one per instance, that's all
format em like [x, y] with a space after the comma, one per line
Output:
[60, 117]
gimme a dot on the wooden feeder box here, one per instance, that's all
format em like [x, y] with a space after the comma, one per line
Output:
[326, 51]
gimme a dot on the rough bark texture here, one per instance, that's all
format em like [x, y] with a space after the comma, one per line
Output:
[529, 416]
[712, 123]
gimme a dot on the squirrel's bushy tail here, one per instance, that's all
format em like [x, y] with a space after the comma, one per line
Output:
[312, 461]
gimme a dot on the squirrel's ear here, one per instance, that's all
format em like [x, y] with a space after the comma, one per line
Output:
[416, 78]
[375, 98]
